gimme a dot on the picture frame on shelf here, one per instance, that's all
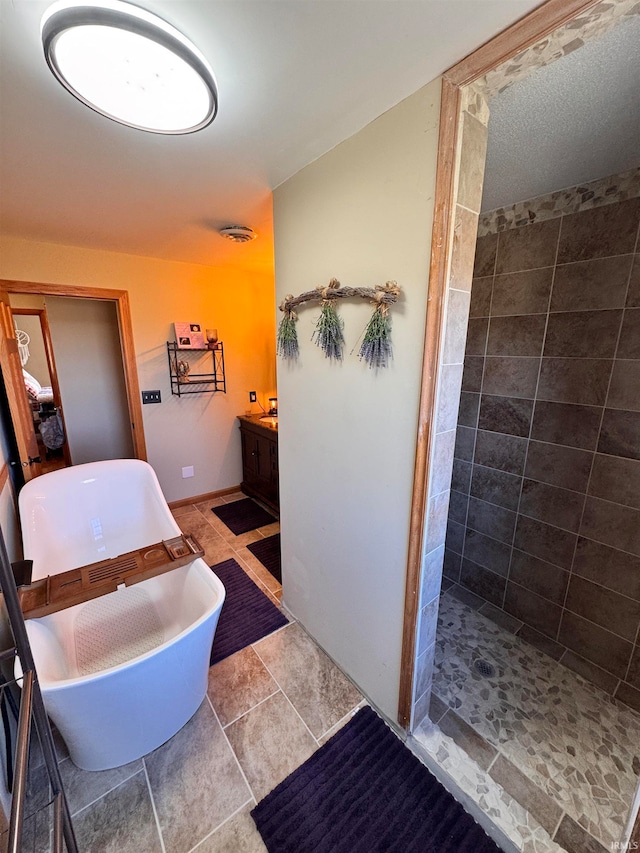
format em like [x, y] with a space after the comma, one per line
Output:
[189, 336]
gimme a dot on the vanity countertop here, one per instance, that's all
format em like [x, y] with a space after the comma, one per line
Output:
[263, 421]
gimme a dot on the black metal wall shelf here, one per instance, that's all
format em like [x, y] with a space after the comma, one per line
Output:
[196, 383]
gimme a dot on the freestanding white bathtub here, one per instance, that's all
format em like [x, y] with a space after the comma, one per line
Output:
[120, 674]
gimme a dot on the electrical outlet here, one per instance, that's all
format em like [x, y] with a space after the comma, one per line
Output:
[252, 396]
[187, 472]
[151, 397]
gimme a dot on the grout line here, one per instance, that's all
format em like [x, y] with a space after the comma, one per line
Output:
[153, 805]
[580, 535]
[233, 752]
[552, 835]
[104, 793]
[220, 825]
[561, 264]
[346, 717]
[493, 760]
[248, 711]
[287, 698]
[539, 440]
[635, 647]
[551, 358]
[477, 418]
[593, 460]
[554, 402]
[468, 209]
[271, 634]
[259, 583]
[533, 410]
[276, 583]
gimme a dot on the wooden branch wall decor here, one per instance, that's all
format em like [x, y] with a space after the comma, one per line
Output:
[375, 349]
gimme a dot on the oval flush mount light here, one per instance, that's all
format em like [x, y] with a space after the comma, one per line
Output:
[129, 65]
[238, 233]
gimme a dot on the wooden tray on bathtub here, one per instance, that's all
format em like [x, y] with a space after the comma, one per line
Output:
[57, 592]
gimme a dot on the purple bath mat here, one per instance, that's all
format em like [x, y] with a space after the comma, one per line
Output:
[247, 614]
[243, 516]
[268, 552]
[365, 792]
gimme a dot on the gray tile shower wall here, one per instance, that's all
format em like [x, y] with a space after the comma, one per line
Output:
[544, 517]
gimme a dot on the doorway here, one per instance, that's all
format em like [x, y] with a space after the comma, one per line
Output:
[42, 388]
[537, 40]
[93, 371]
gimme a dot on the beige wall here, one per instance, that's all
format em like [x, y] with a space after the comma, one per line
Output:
[199, 430]
[362, 213]
[86, 343]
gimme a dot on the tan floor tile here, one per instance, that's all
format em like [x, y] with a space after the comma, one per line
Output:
[221, 528]
[179, 511]
[190, 522]
[206, 506]
[247, 538]
[254, 564]
[234, 496]
[238, 683]
[182, 510]
[343, 722]
[270, 742]
[217, 551]
[317, 688]
[270, 529]
[237, 835]
[120, 822]
[82, 787]
[195, 781]
[196, 524]
[272, 596]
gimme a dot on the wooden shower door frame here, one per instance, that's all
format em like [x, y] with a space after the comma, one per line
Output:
[523, 34]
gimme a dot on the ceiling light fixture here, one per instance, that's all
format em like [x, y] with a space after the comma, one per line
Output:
[238, 233]
[129, 65]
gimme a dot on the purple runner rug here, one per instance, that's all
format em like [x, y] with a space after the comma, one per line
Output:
[243, 515]
[247, 614]
[365, 792]
[268, 552]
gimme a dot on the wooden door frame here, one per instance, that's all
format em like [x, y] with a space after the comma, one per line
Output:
[537, 25]
[41, 314]
[123, 312]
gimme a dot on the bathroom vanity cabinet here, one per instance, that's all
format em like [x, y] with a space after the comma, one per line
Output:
[259, 460]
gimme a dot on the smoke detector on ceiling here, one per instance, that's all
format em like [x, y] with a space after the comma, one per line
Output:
[238, 233]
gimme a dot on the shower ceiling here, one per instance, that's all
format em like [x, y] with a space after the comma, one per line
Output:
[573, 121]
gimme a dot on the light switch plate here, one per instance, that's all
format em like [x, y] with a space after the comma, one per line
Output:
[151, 397]
[252, 396]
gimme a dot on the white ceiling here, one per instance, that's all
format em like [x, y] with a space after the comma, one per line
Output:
[295, 78]
[570, 122]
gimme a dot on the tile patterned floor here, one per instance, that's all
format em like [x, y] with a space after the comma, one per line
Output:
[518, 824]
[268, 708]
[565, 739]
[272, 704]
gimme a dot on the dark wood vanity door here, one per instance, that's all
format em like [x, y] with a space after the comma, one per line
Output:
[260, 462]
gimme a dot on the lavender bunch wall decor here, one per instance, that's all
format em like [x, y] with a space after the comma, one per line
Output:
[375, 349]
[288, 336]
[328, 334]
